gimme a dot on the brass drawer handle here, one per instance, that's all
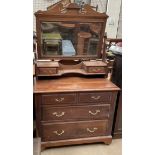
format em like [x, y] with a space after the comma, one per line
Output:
[59, 100]
[91, 130]
[59, 115]
[59, 134]
[94, 113]
[96, 97]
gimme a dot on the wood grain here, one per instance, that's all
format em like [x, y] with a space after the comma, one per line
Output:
[70, 113]
[71, 130]
[72, 84]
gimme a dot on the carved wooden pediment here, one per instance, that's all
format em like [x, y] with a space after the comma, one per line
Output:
[71, 9]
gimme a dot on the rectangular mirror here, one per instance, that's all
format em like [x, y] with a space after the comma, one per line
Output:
[69, 39]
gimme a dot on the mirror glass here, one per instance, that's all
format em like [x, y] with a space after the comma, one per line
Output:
[70, 39]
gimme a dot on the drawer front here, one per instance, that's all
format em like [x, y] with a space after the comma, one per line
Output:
[95, 97]
[75, 113]
[60, 131]
[59, 99]
[47, 71]
[96, 70]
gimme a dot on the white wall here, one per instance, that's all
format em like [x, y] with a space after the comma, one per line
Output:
[119, 32]
[113, 11]
[41, 5]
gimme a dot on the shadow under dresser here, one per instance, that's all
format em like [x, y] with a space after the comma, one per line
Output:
[74, 110]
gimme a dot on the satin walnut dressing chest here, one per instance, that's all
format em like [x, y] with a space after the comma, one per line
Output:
[74, 110]
[74, 101]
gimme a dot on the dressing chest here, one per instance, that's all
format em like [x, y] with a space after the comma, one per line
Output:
[74, 110]
[74, 101]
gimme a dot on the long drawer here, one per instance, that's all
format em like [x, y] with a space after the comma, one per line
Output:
[94, 97]
[72, 130]
[75, 112]
[59, 99]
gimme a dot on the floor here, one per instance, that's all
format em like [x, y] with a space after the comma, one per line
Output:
[93, 149]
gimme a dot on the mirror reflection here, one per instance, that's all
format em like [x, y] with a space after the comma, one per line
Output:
[70, 39]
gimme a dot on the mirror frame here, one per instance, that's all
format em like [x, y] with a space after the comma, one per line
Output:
[54, 14]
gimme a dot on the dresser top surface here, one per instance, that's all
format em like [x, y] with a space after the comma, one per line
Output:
[73, 84]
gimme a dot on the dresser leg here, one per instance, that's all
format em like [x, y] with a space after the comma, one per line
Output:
[43, 148]
[108, 141]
